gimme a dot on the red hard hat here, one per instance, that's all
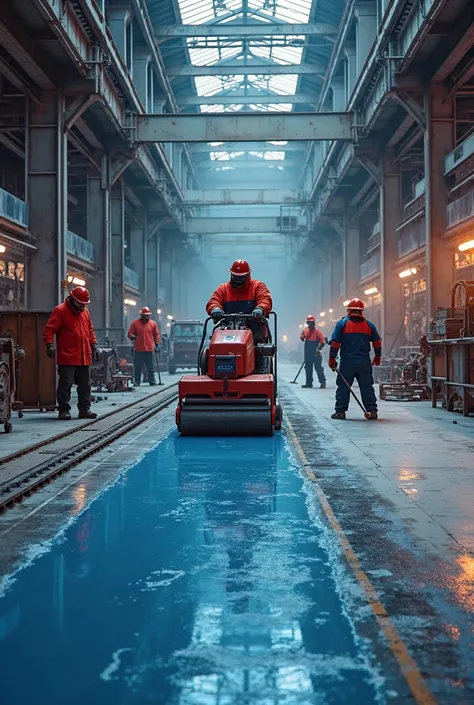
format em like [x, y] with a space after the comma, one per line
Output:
[356, 304]
[310, 318]
[145, 311]
[81, 295]
[240, 268]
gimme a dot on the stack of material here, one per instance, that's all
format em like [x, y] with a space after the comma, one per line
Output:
[457, 321]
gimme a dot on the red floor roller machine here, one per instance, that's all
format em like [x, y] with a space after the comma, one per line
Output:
[228, 397]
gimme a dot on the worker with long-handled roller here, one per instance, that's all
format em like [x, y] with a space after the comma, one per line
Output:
[352, 338]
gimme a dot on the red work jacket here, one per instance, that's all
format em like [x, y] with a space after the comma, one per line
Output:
[312, 335]
[147, 335]
[74, 335]
[254, 294]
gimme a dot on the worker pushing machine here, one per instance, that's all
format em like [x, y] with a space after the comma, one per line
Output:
[352, 337]
[145, 336]
[76, 345]
[242, 294]
[313, 344]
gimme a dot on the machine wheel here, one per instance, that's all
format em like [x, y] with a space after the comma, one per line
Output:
[8, 427]
[204, 363]
[278, 416]
[20, 414]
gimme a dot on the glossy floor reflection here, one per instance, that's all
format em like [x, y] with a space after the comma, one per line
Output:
[198, 578]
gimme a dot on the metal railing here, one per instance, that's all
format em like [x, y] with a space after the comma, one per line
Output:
[131, 278]
[78, 247]
[461, 209]
[372, 266]
[13, 208]
[409, 242]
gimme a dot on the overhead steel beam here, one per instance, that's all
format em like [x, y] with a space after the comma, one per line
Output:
[261, 29]
[253, 163]
[247, 70]
[244, 197]
[244, 127]
[200, 147]
[254, 99]
[222, 226]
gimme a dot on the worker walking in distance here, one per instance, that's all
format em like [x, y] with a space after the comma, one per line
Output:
[76, 347]
[352, 337]
[313, 344]
[145, 336]
[242, 294]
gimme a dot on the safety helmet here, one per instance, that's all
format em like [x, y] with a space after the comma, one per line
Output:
[310, 319]
[240, 268]
[356, 307]
[145, 311]
[81, 295]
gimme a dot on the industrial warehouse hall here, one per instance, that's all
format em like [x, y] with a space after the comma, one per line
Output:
[236, 352]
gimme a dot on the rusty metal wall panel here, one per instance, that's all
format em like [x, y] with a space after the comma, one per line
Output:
[36, 388]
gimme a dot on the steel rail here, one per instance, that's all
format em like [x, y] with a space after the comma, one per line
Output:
[37, 475]
[76, 429]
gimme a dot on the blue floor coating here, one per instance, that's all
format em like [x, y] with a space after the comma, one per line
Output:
[198, 578]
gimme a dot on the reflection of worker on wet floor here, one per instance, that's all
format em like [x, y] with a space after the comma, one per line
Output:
[313, 344]
[352, 338]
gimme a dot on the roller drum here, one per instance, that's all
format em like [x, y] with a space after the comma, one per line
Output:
[226, 420]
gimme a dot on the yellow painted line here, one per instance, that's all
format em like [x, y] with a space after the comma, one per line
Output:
[410, 670]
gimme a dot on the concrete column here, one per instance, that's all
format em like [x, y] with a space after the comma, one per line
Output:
[141, 60]
[117, 19]
[337, 275]
[177, 151]
[351, 258]
[439, 142]
[366, 31]
[117, 218]
[338, 95]
[47, 200]
[153, 279]
[390, 209]
[326, 282]
[98, 233]
[350, 69]
[139, 251]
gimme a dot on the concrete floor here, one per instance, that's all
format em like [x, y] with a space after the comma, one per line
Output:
[35, 427]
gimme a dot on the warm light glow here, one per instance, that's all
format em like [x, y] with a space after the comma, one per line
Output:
[158, 310]
[130, 302]
[372, 290]
[469, 245]
[330, 310]
[321, 323]
[346, 303]
[322, 313]
[2, 248]
[168, 325]
[301, 326]
[79, 496]
[70, 278]
[284, 338]
[169, 317]
[407, 272]
[78, 281]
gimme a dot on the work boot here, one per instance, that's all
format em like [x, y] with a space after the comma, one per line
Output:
[307, 386]
[152, 384]
[64, 416]
[86, 414]
[372, 416]
[322, 385]
[339, 415]
[137, 384]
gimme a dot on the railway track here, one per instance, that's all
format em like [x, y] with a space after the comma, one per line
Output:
[25, 472]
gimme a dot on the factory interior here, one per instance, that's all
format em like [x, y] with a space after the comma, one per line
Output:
[236, 352]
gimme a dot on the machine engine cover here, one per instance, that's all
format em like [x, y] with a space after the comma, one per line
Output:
[232, 345]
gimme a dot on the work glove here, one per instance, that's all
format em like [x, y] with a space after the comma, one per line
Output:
[376, 361]
[333, 363]
[95, 353]
[157, 348]
[257, 314]
[217, 314]
[50, 350]
[132, 338]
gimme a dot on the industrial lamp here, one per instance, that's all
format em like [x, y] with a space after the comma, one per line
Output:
[469, 245]
[372, 290]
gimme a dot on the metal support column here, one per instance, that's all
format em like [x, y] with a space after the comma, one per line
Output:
[439, 141]
[117, 218]
[351, 256]
[138, 236]
[47, 200]
[390, 208]
[153, 261]
[98, 233]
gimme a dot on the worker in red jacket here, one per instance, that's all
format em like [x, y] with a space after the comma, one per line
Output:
[145, 336]
[76, 345]
[242, 294]
[313, 344]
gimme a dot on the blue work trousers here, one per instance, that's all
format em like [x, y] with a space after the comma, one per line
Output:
[362, 372]
[313, 358]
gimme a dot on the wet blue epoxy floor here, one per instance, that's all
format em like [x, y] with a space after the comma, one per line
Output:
[198, 578]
